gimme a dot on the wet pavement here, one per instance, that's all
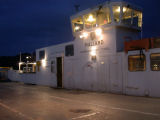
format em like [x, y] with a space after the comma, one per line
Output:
[31, 102]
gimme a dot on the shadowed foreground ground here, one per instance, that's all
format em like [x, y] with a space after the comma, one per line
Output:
[30, 102]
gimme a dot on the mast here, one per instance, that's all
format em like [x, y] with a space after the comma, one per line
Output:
[20, 62]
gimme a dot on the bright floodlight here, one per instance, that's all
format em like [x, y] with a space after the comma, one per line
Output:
[43, 63]
[98, 32]
[77, 28]
[93, 51]
[81, 36]
[85, 34]
[90, 19]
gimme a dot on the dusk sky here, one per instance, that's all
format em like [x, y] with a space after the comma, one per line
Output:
[26, 25]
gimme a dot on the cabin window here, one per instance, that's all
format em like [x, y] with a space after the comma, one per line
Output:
[41, 54]
[77, 24]
[136, 63]
[127, 16]
[116, 13]
[137, 18]
[155, 61]
[103, 16]
[156, 43]
[90, 20]
[69, 50]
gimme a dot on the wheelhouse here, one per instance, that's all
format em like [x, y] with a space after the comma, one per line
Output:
[109, 13]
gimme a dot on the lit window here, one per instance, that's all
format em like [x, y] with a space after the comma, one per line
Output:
[137, 18]
[155, 62]
[41, 54]
[77, 24]
[116, 13]
[90, 20]
[103, 16]
[69, 50]
[127, 16]
[136, 63]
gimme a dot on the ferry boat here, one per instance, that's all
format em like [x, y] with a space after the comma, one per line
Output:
[107, 54]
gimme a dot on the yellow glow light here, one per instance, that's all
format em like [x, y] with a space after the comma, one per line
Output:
[43, 63]
[77, 28]
[119, 9]
[91, 19]
[93, 51]
[124, 9]
[98, 32]
[102, 62]
[84, 35]
[155, 65]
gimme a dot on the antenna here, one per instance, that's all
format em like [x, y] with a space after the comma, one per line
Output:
[20, 62]
[20, 57]
[77, 7]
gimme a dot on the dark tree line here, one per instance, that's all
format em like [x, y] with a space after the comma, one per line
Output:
[13, 61]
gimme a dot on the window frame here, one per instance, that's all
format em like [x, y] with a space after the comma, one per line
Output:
[81, 17]
[106, 9]
[93, 13]
[145, 64]
[66, 50]
[96, 24]
[40, 55]
[127, 8]
[113, 13]
[140, 20]
[151, 64]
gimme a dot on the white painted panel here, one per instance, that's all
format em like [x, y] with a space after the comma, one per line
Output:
[115, 70]
[89, 76]
[154, 82]
[103, 74]
[137, 83]
[69, 74]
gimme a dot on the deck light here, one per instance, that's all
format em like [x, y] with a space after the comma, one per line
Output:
[77, 28]
[124, 9]
[98, 32]
[119, 9]
[90, 18]
[93, 51]
[81, 36]
[43, 63]
[85, 34]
